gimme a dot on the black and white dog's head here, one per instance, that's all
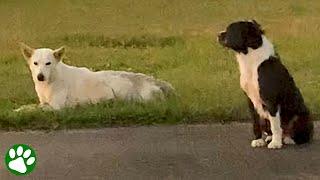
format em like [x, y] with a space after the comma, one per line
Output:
[242, 35]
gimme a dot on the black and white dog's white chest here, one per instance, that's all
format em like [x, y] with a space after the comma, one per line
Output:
[249, 82]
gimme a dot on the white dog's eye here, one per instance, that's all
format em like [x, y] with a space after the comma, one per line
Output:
[35, 63]
[48, 63]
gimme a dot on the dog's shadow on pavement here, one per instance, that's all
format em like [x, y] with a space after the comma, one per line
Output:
[313, 144]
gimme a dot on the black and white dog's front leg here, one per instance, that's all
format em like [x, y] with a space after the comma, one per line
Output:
[275, 125]
[257, 130]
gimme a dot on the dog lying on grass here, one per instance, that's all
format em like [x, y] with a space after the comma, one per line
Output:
[59, 85]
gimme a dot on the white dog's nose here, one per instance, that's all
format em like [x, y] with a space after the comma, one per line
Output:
[40, 77]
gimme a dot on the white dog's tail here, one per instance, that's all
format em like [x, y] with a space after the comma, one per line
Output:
[166, 88]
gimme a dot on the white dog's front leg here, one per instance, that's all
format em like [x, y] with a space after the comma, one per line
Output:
[58, 101]
[56, 105]
[276, 129]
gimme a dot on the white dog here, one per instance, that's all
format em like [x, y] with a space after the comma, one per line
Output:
[59, 85]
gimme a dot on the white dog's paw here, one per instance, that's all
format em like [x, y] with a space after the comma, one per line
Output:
[268, 139]
[17, 110]
[288, 140]
[258, 143]
[20, 159]
[45, 107]
[26, 108]
[275, 144]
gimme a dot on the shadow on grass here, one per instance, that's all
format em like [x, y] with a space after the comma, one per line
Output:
[139, 41]
[108, 114]
[105, 114]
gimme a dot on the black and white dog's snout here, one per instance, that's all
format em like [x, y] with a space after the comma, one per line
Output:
[40, 77]
[222, 38]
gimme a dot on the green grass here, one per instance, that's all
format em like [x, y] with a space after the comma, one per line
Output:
[171, 40]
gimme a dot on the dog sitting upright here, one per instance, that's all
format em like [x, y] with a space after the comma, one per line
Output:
[275, 102]
[59, 85]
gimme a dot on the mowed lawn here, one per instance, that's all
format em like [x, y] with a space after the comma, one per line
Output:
[171, 40]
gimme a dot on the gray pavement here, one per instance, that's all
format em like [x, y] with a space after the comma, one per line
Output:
[212, 151]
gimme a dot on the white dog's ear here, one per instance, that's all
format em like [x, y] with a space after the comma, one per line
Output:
[58, 53]
[26, 51]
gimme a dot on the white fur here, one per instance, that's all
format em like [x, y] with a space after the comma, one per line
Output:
[288, 140]
[276, 130]
[66, 85]
[268, 138]
[248, 65]
[258, 143]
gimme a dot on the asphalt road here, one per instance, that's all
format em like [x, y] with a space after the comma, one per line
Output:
[162, 152]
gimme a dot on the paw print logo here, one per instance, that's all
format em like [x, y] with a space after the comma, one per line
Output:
[20, 159]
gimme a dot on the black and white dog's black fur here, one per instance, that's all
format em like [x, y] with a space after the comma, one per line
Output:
[276, 104]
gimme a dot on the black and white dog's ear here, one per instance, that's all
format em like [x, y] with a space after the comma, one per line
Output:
[58, 53]
[254, 35]
[26, 50]
[255, 22]
[257, 26]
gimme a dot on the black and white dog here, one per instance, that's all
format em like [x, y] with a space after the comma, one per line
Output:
[276, 104]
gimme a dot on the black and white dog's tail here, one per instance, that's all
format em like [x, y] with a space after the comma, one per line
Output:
[302, 130]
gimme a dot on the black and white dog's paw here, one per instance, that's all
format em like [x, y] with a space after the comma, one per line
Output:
[288, 140]
[274, 144]
[258, 143]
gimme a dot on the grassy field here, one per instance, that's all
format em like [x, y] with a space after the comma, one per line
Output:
[171, 40]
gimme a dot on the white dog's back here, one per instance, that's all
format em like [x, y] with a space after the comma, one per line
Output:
[129, 85]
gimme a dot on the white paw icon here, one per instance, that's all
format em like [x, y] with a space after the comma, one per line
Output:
[20, 159]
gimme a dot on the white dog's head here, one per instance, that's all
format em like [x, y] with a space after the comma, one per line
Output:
[42, 62]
